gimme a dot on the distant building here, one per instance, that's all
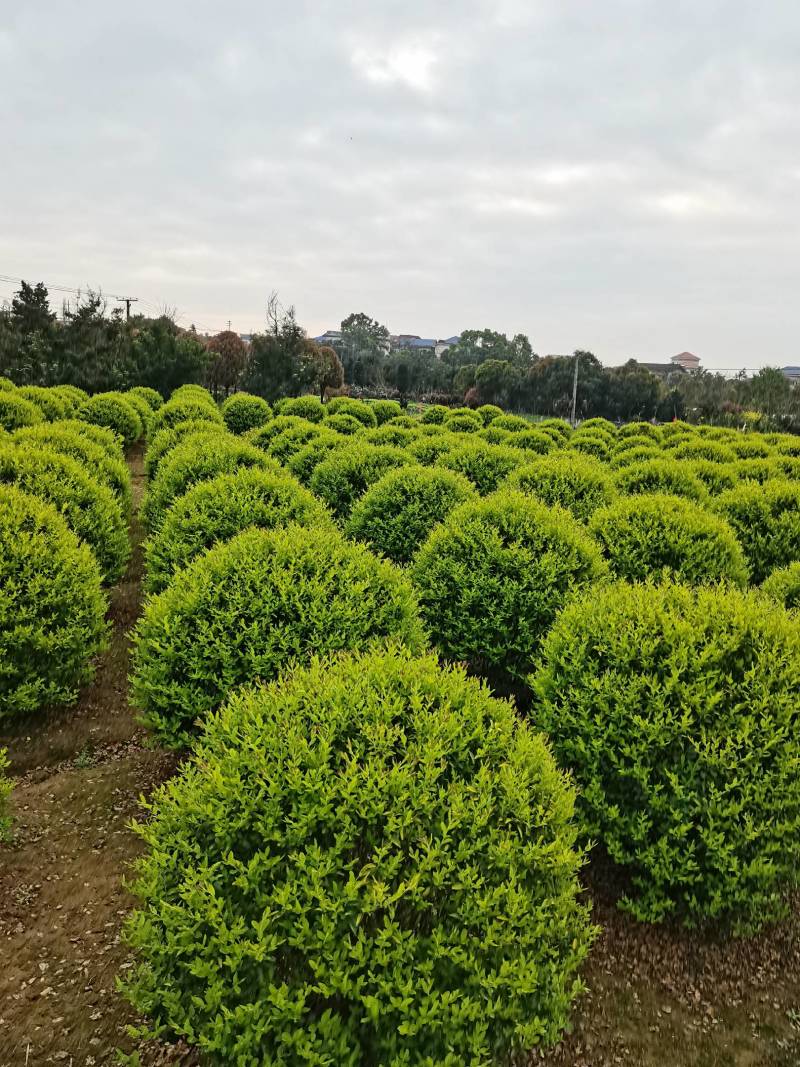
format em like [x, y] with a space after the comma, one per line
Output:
[663, 370]
[405, 341]
[443, 345]
[686, 360]
[791, 373]
[330, 337]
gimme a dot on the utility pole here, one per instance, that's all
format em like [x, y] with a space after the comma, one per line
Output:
[128, 300]
[575, 389]
[229, 325]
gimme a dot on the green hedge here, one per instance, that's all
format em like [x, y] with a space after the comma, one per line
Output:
[343, 477]
[48, 401]
[16, 411]
[357, 409]
[185, 408]
[343, 423]
[678, 712]
[218, 509]
[243, 411]
[661, 476]
[247, 607]
[662, 536]
[435, 414]
[89, 508]
[578, 483]
[162, 443]
[303, 463]
[766, 520]
[383, 410]
[310, 408]
[486, 466]
[109, 441]
[493, 576]
[398, 512]
[294, 440]
[196, 459]
[591, 445]
[462, 420]
[153, 398]
[116, 413]
[394, 876]
[784, 585]
[52, 607]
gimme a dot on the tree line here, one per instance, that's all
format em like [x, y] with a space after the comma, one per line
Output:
[98, 349]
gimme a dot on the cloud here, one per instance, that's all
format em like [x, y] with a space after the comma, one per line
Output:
[411, 64]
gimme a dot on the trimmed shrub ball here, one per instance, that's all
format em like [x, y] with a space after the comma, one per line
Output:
[591, 445]
[513, 423]
[115, 412]
[344, 476]
[435, 414]
[661, 476]
[72, 396]
[716, 477]
[678, 712]
[410, 422]
[343, 423]
[463, 421]
[185, 408]
[51, 405]
[243, 411]
[558, 429]
[428, 450]
[162, 443]
[488, 413]
[495, 435]
[754, 470]
[493, 576]
[291, 441]
[627, 457]
[663, 536]
[358, 409]
[263, 436]
[383, 410]
[16, 411]
[598, 426]
[143, 409]
[397, 513]
[153, 398]
[196, 459]
[536, 440]
[310, 408]
[302, 464]
[712, 451]
[89, 508]
[109, 441]
[486, 466]
[749, 447]
[6, 384]
[385, 836]
[390, 434]
[218, 509]
[109, 470]
[52, 608]
[783, 585]
[247, 607]
[578, 483]
[766, 520]
[640, 429]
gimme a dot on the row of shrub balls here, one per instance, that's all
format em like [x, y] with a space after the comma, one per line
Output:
[371, 856]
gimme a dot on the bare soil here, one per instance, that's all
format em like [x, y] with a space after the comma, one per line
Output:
[658, 997]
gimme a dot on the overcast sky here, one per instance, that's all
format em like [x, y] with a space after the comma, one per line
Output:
[620, 176]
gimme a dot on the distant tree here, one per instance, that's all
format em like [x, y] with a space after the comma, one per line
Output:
[275, 366]
[321, 368]
[364, 336]
[634, 392]
[227, 360]
[770, 391]
[499, 381]
[30, 309]
[166, 356]
[478, 346]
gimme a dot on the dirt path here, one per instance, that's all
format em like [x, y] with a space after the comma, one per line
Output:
[658, 997]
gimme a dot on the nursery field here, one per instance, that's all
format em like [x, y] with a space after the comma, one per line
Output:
[462, 739]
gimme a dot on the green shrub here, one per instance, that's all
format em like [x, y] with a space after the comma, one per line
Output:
[115, 412]
[89, 508]
[344, 476]
[711, 451]
[749, 447]
[628, 457]
[196, 459]
[787, 467]
[16, 411]
[591, 445]
[766, 520]
[397, 513]
[493, 576]
[578, 483]
[306, 407]
[597, 426]
[783, 585]
[755, 470]
[187, 408]
[435, 414]
[154, 399]
[408, 422]
[243, 411]
[106, 469]
[788, 445]
[661, 476]
[634, 441]
[247, 607]
[716, 477]
[428, 450]
[463, 422]
[193, 391]
[403, 835]
[639, 429]
[513, 423]
[263, 436]
[678, 712]
[302, 464]
[51, 405]
[663, 536]
[72, 396]
[358, 409]
[343, 423]
[162, 443]
[535, 440]
[488, 413]
[558, 429]
[52, 608]
[383, 410]
[495, 435]
[389, 434]
[677, 428]
[294, 440]
[486, 466]
[110, 442]
[6, 787]
[6, 384]
[218, 509]
[143, 409]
